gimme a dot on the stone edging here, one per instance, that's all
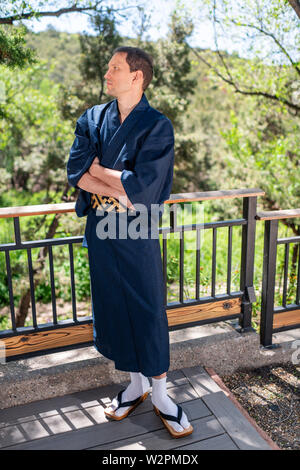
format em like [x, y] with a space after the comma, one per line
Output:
[230, 395]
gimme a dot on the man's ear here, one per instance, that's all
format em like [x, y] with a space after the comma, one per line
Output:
[139, 75]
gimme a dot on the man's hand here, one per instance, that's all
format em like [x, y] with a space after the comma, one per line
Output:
[93, 185]
[111, 178]
[95, 168]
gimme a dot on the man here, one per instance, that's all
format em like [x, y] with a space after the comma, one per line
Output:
[122, 160]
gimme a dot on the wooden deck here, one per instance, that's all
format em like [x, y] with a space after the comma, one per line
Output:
[77, 421]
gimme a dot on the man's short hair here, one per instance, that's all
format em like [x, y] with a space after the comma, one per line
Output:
[138, 59]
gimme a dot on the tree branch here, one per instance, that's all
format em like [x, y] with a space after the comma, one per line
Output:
[247, 92]
[217, 45]
[62, 11]
[296, 5]
[271, 35]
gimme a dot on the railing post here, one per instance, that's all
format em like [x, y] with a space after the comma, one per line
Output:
[17, 231]
[268, 282]
[173, 216]
[247, 261]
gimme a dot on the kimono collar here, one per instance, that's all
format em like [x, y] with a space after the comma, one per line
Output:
[141, 105]
[113, 134]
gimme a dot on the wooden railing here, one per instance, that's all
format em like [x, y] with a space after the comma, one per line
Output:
[57, 335]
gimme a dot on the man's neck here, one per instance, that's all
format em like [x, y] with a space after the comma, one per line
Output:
[126, 104]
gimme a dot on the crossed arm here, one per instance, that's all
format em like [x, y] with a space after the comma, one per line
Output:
[104, 181]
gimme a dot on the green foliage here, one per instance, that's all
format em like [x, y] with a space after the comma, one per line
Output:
[267, 35]
[82, 275]
[189, 262]
[265, 154]
[4, 295]
[96, 52]
[171, 92]
[34, 139]
[43, 292]
[13, 52]
[60, 52]
[172, 87]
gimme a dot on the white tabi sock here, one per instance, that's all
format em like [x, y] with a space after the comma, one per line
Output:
[138, 386]
[164, 403]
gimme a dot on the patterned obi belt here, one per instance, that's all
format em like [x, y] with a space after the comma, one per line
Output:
[107, 203]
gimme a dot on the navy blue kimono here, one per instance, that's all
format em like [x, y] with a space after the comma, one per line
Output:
[130, 324]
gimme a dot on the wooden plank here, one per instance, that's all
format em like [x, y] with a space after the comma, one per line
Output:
[202, 196]
[91, 436]
[60, 406]
[84, 419]
[72, 423]
[222, 442]
[22, 432]
[37, 209]
[40, 209]
[289, 318]
[43, 340]
[82, 400]
[282, 214]
[69, 415]
[205, 311]
[236, 425]
[157, 437]
[200, 380]
[204, 428]
[57, 405]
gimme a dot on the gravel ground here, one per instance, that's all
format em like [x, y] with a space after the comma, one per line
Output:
[271, 396]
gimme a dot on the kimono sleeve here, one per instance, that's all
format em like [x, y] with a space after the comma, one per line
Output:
[150, 181]
[82, 152]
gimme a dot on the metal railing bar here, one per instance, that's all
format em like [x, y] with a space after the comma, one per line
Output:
[165, 266]
[207, 225]
[41, 243]
[286, 266]
[268, 281]
[52, 281]
[32, 295]
[79, 239]
[173, 216]
[286, 328]
[229, 259]
[213, 264]
[298, 279]
[205, 299]
[17, 231]
[280, 309]
[198, 243]
[181, 267]
[72, 274]
[10, 291]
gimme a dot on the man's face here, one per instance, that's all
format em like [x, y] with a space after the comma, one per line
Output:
[119, 79]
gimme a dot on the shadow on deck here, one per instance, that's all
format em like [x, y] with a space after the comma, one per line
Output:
[77, 421]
